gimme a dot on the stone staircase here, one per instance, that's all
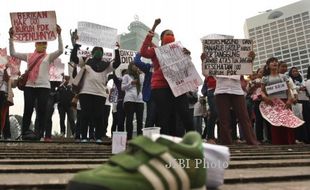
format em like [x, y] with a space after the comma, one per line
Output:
[38, 165]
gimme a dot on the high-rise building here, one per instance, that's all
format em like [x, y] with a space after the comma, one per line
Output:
[283, 33]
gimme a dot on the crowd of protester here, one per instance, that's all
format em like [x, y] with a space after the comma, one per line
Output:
[229, 102]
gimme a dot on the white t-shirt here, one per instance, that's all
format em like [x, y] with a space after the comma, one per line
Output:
[131, 94]
[228, 85]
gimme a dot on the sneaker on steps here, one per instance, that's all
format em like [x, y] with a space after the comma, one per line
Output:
[30, 135]
[149, 165]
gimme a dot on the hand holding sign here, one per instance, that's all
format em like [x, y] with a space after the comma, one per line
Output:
[11, 32]
[58, 29]
[74, 37]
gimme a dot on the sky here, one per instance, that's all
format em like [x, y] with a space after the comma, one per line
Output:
[190, 20]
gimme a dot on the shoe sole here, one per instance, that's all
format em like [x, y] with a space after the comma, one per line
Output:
[72, 185]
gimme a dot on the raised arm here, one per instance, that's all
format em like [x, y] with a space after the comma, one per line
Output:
[146, 49]
[13, 53]
[60, 50]
[144, 67]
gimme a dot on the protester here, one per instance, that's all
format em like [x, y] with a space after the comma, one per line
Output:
[38, 85]
[93, 93]
[255, 92]
[120, 101]
[133, 103]
[147, 69]
[229, 94]
[167, 104]
[5, 92]
[64, 106]
[208, 133]
[301, 133]
[52, 99]
[279, 135]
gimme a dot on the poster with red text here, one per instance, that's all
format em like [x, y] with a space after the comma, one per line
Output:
[14, 66]
[34, 26]
[278, 116]
[57, 69]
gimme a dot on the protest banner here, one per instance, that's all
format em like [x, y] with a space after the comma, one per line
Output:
[127, 56]
[178, 68]
[3, 58]
[56, 70]
[34, 26]
[227, 56]
[14, 66]
[278, 116]
[96, 35]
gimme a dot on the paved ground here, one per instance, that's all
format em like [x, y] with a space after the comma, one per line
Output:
[51, 165]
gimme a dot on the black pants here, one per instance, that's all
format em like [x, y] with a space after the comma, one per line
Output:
[31, 95]
[120, 116]
[63, 110]
[151, 115]
[6, 131]
[106, 114]
[167, 107]
[92, 111]
[130, 109]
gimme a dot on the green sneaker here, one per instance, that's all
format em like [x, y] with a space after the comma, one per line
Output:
[149, 165]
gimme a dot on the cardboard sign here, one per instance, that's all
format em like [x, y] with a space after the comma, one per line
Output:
[178, 68]
[119, 140]
[278, 87]
[278, 116]
[34, 26]
[3, 59]
[96, 35]
[227, 56]
[127, 56]
[14, 65]
[56, 70]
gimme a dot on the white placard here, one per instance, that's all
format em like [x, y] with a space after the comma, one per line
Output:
[227, 56]
[34, 26]
[119, 140]
[178, 68]
[278, 87]
[96, 35]
[127, 56]
[56, 70]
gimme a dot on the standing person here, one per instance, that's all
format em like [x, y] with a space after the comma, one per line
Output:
[38, 85]
[229, 94]
[133, 103]
[93, 93]
[5, 92]
[147, 69]
[279, 135]
[51, 101]
[208, 133]
[301, 133]
[254, 89]
[120, 101]
[64, 106]
[167, 104]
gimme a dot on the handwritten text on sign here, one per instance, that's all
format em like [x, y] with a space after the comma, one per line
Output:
[227, 56]
[34, 26]
[278, 87]
[96, 35]
[126, 56]
[178, 69]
